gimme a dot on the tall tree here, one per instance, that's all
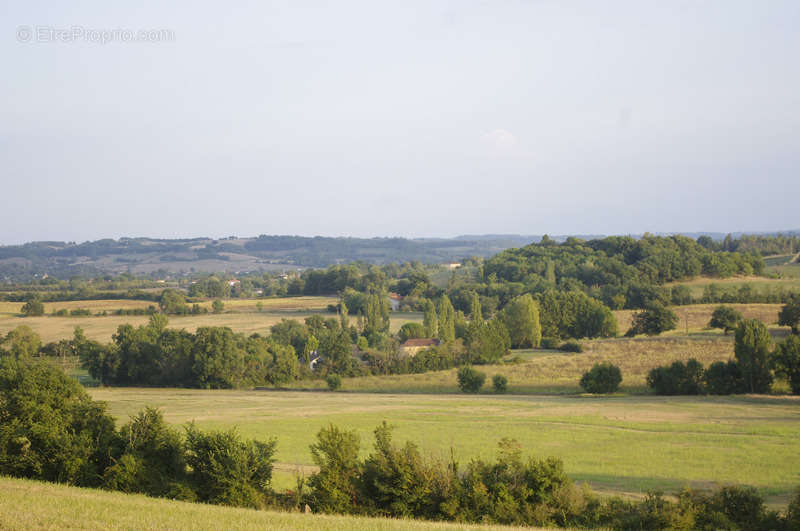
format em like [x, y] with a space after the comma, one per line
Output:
[790, 313]
[447, 315]
[430, 321]
[344, 316]
[752, 347]
[521, 318]
[475, 308]
[23, 342]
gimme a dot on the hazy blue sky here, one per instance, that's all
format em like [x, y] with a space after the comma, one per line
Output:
[399, 118]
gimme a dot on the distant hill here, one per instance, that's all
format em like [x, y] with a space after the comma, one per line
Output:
[262, 253]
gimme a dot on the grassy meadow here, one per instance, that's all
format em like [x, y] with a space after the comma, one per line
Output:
[38, 505]
[620, 444]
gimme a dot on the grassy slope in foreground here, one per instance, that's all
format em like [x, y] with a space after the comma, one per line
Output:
[27, 504]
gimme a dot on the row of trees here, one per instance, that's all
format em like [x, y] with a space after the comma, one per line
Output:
[212, 357]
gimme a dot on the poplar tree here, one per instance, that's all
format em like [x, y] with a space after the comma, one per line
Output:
[447, 330]
[430, 322]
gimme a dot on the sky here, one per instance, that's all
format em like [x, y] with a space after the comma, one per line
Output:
[404, 118]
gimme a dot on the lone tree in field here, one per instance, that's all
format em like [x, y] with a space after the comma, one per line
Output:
[726, 318]
[752, 347]
[470, 380]
[653, 320]
[603, 378]
[33, 308]
[790, 313]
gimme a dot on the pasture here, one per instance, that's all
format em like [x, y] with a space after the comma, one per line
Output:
[622, 444]
[38, 505]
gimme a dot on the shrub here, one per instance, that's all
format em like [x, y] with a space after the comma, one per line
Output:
[723, 378]
[550, 343]
[571, 346]
[677, 379]
[217, 306]
[602, 378]
[33, 308]
[334, 381]
[227, 470]
[333, 488]
[500, 383]
[50, 429]
[470, 380]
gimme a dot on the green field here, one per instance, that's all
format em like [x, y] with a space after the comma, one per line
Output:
[37, 505]
[786, 271]
[618, 444]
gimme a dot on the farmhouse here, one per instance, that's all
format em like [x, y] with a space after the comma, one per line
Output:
[412, 346]
[394, 301]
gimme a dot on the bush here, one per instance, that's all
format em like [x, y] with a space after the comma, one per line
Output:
[550, 343]
[602, 378]
[470, 380]
[500, 383]
[50, 429]
[677, 379]
[334, 381]
[571, 346]
[723, 378]
[217, 306]
[33, 308]
[226, 470]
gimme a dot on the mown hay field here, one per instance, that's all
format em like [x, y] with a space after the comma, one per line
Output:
[695, 317]
[27, 505]
[621, 444]
[790, 282]
[239, 315]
